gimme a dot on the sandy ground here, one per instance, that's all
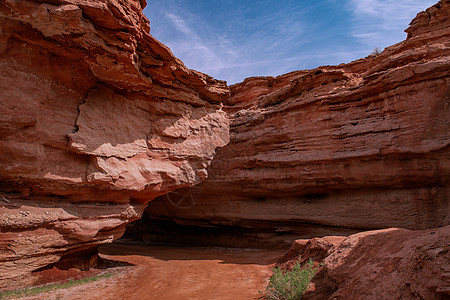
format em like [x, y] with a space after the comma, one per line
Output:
[177, 273]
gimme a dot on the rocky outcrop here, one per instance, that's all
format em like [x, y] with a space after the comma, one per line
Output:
[98, 118]
[363, 145]
[382, 264]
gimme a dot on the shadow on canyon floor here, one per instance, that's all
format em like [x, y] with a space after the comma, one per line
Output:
[162, 272]
[222, 255]
[52, 274]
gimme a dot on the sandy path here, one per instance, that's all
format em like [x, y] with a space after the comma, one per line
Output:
[178, 273]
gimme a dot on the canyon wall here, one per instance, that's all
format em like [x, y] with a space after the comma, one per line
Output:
[97, 119]
[361, 146]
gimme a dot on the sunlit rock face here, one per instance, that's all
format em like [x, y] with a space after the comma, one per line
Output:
[97, 119]
[363, 145]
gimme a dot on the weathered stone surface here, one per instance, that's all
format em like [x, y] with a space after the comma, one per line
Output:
[382, 264]
[363, 145]
[97, 119]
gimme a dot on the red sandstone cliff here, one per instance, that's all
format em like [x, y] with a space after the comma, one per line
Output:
[363, 145]
[97, 119]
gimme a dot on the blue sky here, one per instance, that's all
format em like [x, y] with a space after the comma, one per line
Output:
[232, 39]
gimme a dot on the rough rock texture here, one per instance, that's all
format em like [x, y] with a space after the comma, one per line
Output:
[97, 119]
[363, 145]
[381, 264]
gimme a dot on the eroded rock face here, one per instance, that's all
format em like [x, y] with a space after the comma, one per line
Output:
[363, 145]
[98, 118]
[382, 264]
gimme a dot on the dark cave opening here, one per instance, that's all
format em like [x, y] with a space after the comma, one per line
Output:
[176, 220]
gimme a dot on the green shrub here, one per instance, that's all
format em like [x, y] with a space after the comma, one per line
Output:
[290, 285]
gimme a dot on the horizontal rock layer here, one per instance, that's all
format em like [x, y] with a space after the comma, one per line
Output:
[98, 118]
[363, 145]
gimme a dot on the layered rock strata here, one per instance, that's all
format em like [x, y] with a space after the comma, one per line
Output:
[363, 145]
[382, 264]
[97, 119]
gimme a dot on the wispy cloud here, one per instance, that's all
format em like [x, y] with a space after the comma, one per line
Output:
[379, 23]
[179, 24]
[251, 46]
[193, 48]
[234, 39]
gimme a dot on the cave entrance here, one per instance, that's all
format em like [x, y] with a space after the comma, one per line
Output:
[197, 217]
[185, 218]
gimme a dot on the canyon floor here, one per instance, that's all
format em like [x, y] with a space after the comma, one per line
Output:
[160, 272]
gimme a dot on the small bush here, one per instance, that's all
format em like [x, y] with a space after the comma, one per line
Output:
[376, 51]
[290, 285]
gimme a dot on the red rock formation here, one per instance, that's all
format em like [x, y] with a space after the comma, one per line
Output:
[382, 264]
[363, 145]
[97, 119]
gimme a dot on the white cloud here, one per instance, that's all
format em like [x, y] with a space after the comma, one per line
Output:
[179, 24]
[193, 48]
[389, 9]
[253, 40]
[210, 51]
[379, 23]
